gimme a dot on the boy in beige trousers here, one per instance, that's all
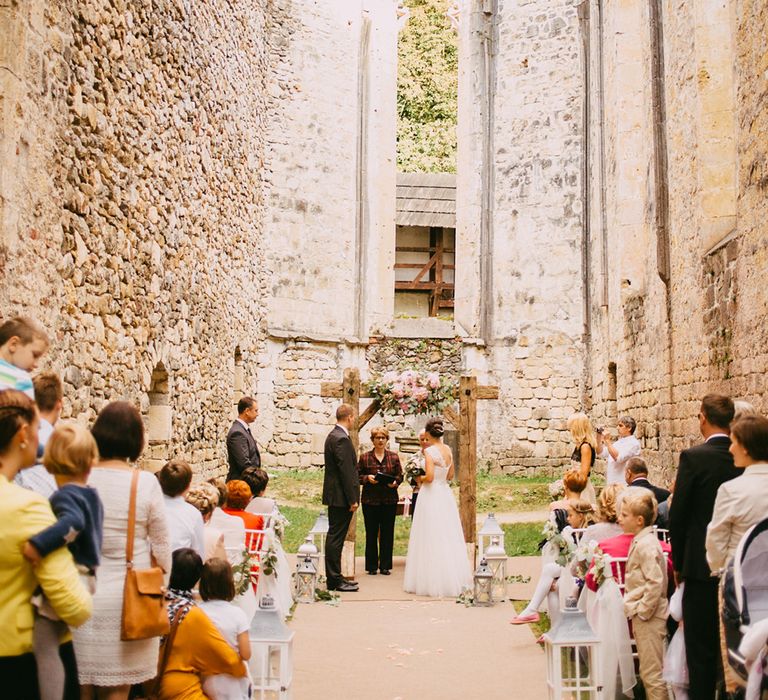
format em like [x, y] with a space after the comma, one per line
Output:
[645, 597]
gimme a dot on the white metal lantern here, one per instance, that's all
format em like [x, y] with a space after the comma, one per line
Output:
[306, 581]
[490, 528]
[497, 561]
[320, 530]
[483, 584]
[308, 549]
[271, 662]
[572, 657]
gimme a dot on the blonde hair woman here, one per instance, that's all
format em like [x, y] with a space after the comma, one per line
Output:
[205, 497]
[583, 457]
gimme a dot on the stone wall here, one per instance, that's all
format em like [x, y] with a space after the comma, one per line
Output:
[705, 331]
[131, 203]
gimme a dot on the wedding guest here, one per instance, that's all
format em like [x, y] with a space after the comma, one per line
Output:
[49, 397]
[185, 524]
[197, 648]
[645, 594]
[105, 663]
[69, 456]
[740, 503]
[379, 499]
[743, 408]
[574, 483]
[257, 480]
[24, 513]
[701, 471]
[242, 450]
[636, 474]
[618, 453]
[585, 450]
[607, 525]
[205, 497]
[232, 526]
[580, 515]
[238, 497]
[341, 493]
[22, 344]
[217, 589]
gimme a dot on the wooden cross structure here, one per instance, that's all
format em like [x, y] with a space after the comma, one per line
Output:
[350, 391]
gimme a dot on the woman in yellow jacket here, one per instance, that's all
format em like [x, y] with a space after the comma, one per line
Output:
[23, 514]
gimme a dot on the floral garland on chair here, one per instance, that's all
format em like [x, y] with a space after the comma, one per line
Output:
[412, 393]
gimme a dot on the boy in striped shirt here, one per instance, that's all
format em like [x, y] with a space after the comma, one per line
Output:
[22, 344]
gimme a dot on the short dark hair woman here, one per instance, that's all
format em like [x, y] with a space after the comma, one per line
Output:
[197, 647]
[380, 474]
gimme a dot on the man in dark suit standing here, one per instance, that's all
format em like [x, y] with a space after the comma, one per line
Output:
[636, 474]
[341, 493]
[242, 451]
[700, 472]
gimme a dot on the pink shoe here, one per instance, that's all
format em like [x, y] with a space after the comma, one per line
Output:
[525, 619]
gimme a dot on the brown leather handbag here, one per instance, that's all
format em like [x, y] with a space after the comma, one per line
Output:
[144, 608]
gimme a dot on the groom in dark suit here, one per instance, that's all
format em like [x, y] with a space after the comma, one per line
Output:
[341, 493]
[242, 450]
[701, 471]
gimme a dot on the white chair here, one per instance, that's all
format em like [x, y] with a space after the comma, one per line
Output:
[662, 534]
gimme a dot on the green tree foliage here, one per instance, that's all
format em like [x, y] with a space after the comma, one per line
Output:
[427, 90]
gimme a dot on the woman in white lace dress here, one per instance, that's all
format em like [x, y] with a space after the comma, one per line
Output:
[103, 660]
[437, 563]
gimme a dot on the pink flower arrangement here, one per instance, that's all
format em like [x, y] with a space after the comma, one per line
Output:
[410, 392]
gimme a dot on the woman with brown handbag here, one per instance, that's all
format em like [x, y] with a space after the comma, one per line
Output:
[108, 665]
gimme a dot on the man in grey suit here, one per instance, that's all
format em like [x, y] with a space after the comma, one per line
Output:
[341, 493]
[242, 450]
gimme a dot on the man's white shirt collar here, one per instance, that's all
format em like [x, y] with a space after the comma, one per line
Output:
[712, 437]
[243, 423]
[338, 425]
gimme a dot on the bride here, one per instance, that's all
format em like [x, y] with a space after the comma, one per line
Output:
[437, 562]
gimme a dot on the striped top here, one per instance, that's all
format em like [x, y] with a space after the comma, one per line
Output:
[12, 377]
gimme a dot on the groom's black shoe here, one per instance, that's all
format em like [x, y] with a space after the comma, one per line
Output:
[385, 572]
[371, 573]
[344, 587]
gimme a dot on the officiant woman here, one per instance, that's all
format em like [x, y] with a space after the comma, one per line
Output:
[380, 475]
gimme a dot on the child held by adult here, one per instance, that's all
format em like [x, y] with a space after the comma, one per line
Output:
[22, 344]
[69, 456]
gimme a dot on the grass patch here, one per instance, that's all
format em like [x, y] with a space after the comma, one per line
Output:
[503, 493]
[538, 628]
[522, 539]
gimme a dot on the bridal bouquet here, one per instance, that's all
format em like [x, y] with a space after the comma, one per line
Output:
[414, 469]
[412, 393]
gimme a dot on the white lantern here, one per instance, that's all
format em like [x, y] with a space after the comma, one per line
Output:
[308, 549]
[320, 530]
[483, 584]
[572, 657]
[490, 528]
[497, 562]
[306, 581]
[271, 662]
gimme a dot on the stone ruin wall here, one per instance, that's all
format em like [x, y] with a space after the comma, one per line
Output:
[714, 317]
[132, 201]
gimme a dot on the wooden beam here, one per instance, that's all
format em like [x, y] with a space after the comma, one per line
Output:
[488, 392]
[468, 457]
[351, 397]
[421, 249]
[331, 390]
[369, 413]
[453, 417]
[414, 266]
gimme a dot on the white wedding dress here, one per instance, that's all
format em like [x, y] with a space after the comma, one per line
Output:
[437, 563]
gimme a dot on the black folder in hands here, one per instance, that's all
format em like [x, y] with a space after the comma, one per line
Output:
[384, 478]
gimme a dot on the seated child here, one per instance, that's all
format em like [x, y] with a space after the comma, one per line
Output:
[645, 596]
[69, 455]
[217, 589]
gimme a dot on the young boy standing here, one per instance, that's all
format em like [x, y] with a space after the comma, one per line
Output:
[22, 344]
[645, 597]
